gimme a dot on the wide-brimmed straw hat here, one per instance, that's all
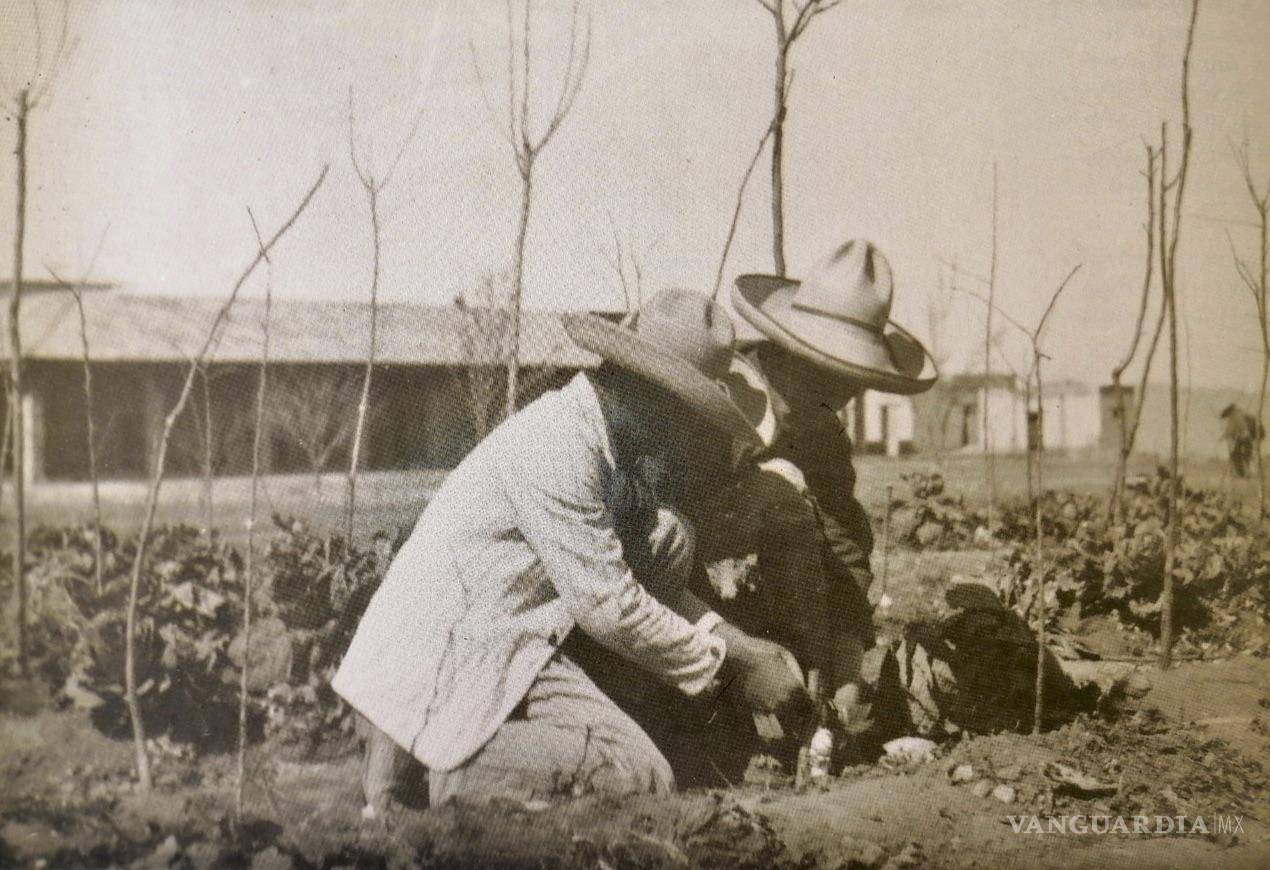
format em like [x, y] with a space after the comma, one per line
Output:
[681, 341]
[838, 317]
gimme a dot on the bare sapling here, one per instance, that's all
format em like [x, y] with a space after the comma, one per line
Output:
[373, 187]
[15, 390]
[249, 572]
[990, 448]
[77, 293]
[209, 486]
[1127, 429]
[6, 448]
[34, 89]
[1254, 278]
[938, 310]
[1169, 232]
[156, 483]
[527, 145]
[740, 199]
[1037, 470]
[627, 265]
[789, 28]
[886, 536]
[1038, 713]
[985, 404]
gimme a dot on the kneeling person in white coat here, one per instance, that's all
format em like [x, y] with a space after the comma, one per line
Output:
[456, 659]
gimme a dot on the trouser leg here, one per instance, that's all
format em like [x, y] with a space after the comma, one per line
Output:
[571, 740]
[381, 765]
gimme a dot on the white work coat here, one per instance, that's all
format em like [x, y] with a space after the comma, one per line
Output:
[516, 548]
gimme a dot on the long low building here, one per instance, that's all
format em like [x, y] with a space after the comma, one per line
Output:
[439, 381]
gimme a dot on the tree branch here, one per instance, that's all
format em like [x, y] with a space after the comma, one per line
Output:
[156, 482]
[805, 15]
[59, 55]
[513, 127]
[401, 149]
[489, 105]
[740, 198]
[365, 179]
[527, 81]
[39, 40]
[1148, 272]
[1040, 326]
[573, 81]
[1027, 333]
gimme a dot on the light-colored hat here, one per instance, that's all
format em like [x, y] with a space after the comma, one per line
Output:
[838, 317]
[682, 342]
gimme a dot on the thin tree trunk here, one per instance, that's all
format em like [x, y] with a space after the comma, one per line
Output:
[92, 442]
[1039, 711]
[1140, 402]
[364, 402]
[1170, 549]
[1031, 461]
[989, 450]
[518, 272]
[778, 151]
[736, 212]
[1171, 543]
[6, 448]
[1184, 429]
[15, 389]
[249, 574]
[1169, 275]
[1114, 508]
[208, 485]
[886, 535]
[152, 497]
[1258, 435]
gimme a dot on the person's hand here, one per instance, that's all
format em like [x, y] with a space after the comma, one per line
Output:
[765, 678]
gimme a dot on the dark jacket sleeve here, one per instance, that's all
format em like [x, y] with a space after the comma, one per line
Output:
[824, 456]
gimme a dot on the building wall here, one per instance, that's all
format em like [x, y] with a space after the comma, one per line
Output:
[419, 416]
[1076, 417]
[888, 421]
[1072, 417]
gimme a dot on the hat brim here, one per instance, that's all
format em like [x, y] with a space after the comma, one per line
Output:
[867, 358]
[623, 347]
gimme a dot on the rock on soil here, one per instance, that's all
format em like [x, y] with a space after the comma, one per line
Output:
[1004, 793]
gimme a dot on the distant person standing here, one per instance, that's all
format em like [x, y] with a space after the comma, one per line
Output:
[1242, 432]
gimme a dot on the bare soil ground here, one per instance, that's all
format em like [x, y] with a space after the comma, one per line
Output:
[69, 801]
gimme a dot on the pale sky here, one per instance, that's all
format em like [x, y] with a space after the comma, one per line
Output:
[171, 118]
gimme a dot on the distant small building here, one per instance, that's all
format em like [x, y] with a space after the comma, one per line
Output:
[881, 423]
[1072, 416]
[950, 416]
[439, 381]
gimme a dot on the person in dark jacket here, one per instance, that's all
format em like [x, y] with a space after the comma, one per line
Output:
[827, 338]
[792, 504]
